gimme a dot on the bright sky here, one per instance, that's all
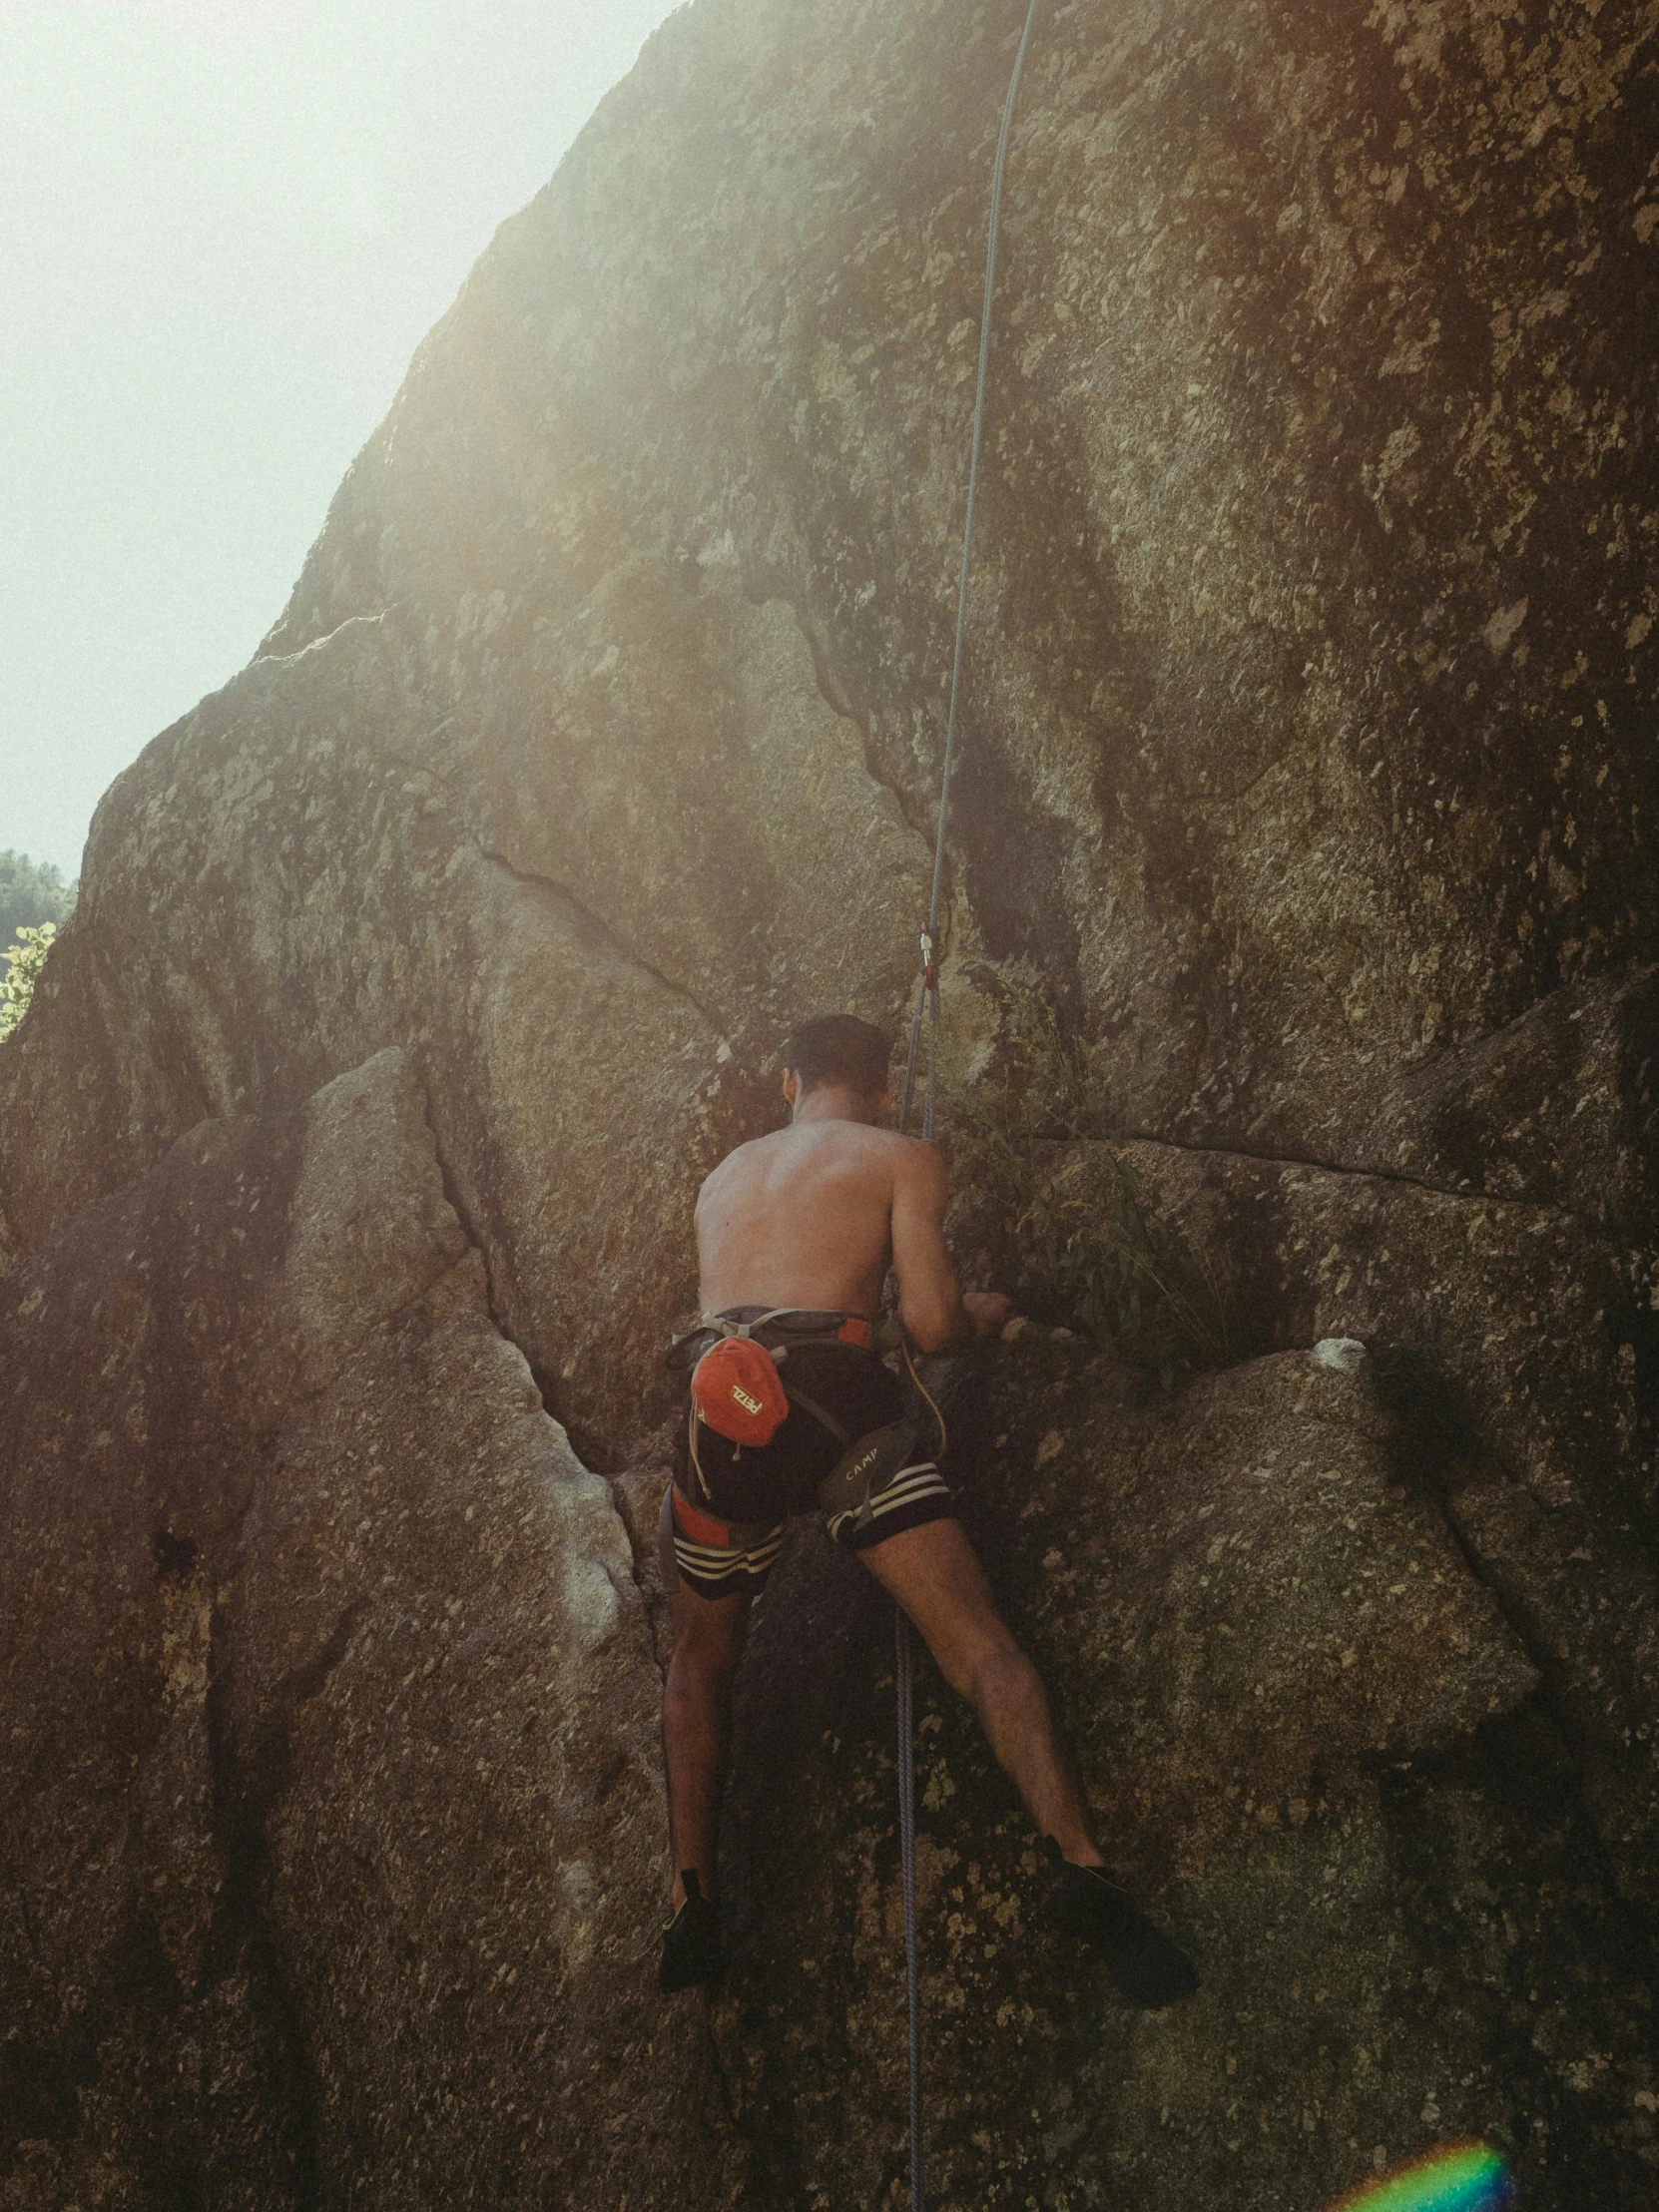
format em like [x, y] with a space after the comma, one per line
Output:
[225, 227]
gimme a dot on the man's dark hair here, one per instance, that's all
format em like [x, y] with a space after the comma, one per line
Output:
[839, 1048]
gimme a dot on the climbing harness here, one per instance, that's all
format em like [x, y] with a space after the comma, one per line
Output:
[783, 1324]
[928, 1000]
[878, 1468]
[734, 1360]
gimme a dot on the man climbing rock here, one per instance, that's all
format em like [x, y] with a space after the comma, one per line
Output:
[790, 1409]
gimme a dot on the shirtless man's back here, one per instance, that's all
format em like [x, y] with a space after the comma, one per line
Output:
[814, 1215]
[795, 1234]
[800, 1218]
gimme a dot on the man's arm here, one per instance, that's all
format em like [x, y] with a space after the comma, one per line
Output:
[930, 1304]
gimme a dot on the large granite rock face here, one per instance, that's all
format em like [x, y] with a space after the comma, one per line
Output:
[1307, 762]
[331, 1794]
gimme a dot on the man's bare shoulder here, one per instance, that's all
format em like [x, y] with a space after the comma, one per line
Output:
[889, 1140]
[884, 1150]
[906, 1162]
[750, 1153]
[901, 1157]
[915, 1155]
[918, 1164]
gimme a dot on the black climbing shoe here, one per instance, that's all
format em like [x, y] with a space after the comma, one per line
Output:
[691, 1941]
[1086, 1907]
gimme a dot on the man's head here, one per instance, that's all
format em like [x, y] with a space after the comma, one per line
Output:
[838, 1054]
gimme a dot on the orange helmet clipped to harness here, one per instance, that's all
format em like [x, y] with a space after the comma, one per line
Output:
[736, 1391]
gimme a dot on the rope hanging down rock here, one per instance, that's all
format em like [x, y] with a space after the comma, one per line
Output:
[927, 997]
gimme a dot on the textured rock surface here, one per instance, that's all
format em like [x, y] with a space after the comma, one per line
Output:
[1309, 762]
[331, 1791]
[1308, 1732]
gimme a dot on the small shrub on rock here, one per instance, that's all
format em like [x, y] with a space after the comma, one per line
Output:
[24, 961]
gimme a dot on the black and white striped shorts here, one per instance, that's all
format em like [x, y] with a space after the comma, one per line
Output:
[729, 1503]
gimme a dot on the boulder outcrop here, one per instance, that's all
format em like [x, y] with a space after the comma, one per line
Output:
[418, 976]
[331, 1765]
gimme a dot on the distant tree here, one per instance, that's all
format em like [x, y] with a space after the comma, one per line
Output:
[31, 893]
[24, 961]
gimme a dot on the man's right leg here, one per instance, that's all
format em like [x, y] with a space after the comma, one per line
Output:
[697, 1702]
[934, 1574]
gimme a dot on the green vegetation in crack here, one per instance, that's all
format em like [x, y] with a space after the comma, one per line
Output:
[1055, 1204]
[24, 961]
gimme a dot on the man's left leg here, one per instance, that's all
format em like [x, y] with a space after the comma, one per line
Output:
[934, 1574]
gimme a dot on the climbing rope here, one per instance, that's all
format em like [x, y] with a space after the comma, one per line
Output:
[928, 994]
[907, 1853]
[927, 999]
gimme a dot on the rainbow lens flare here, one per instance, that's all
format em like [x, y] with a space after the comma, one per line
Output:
[1458, 2177]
